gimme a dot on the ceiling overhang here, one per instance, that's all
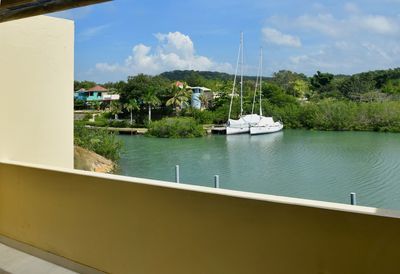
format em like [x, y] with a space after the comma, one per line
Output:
[17, 9]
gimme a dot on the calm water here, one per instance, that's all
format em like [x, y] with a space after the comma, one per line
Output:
[315, 165]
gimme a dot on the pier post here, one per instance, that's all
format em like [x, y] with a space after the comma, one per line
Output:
[353, 198]
[177, 175]
[216, 181]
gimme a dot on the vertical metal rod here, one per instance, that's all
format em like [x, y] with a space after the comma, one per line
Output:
[216, 181]
[177, 175]
[353, 198]
[241, 75]
[261, 78]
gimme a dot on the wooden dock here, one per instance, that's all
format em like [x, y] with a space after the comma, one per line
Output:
[211, 129]
[218, 130]
[123, 131]
[214, 129]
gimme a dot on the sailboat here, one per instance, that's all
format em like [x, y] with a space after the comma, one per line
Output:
[243, 124]
[265, 124]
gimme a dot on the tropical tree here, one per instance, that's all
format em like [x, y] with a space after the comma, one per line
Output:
[286, 79]
[392, 87]
[195, 79]
[79, 104]
[151, 100]
[115, 109]
[131, 106]
[83, 84]
[300, 88]
[204, 101]
[357, 84]
[179, 99]
[321, 82]
[137, 86]
[277, 96]
[95, 105]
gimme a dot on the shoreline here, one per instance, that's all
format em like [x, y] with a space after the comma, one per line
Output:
[88, 160]
[219, 130]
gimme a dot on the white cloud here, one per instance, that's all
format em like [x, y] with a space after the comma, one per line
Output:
[323, 23]
[348, 58]
[377, 23]
[176, 42]
[350, 42]
[271, 35]
[329, 25]
[175, 51]
[105, 67]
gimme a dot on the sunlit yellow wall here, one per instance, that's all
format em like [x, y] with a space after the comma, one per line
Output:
[122, 227]
[36, 91]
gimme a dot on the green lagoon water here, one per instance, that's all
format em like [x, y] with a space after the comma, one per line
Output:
[315, 165]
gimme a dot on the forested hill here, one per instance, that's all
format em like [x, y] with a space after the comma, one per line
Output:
[387, 81]
[191, 76]
[380, 76]
[187, 75]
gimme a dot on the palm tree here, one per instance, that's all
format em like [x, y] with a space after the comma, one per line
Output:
[95, 105]
[204, 101]
[150, 98]
[131, 106]
[180, 98]
[115, 108]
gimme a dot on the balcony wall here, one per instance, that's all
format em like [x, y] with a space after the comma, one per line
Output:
[121, 225]
[36, 87]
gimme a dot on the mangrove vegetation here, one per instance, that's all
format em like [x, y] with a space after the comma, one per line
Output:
[367, 101]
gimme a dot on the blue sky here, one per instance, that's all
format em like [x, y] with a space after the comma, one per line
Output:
[127, 37]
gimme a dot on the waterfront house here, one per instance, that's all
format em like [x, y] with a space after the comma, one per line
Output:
[196, 93]
[81, 95]
[102, 223]
[96, 94]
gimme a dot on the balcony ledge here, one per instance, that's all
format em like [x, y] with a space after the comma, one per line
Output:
[224, 192]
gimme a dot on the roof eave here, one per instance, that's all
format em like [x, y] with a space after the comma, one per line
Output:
[13, 9]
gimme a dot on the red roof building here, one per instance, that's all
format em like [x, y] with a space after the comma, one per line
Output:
[98, 89]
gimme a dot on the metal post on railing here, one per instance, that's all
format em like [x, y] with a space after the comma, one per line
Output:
[353, 198]
[177, 175]
[216, 181]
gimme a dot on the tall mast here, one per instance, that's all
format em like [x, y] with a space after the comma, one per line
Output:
[241, 74]
[258, 82]
[256, 87]
[261, 73]
[255, 90]
[234, 82]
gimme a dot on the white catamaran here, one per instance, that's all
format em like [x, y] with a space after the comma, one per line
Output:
[243, 124]
[251, 123]
[265, 124]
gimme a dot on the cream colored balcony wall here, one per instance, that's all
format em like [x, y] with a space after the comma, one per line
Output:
[127, 225]
[36, 91]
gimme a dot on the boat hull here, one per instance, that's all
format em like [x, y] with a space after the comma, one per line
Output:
[242, 125]
[257, 130]
[237, 130]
